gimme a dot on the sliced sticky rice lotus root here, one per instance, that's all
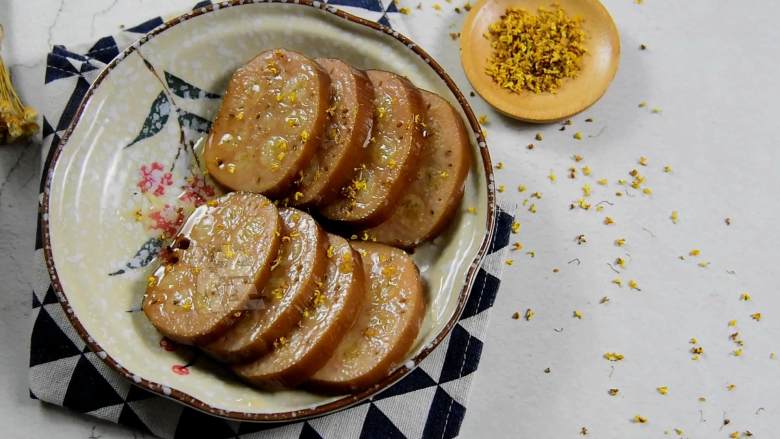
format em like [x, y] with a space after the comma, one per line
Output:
[295, 274]
[329, 314]
[270, 123]
[429, 201]
[219, 262]
[387, 323]
[345, 141]
[393, 151]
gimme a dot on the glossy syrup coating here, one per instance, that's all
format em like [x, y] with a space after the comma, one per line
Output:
[345, 141]
[270, 123]
[219, 262]
[325, 320]
[298, 267]
[393, 152]
[387, 323]
[436, 191]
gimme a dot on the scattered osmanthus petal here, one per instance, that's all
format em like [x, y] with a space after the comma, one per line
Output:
[656, 110]
[613, 356]
[521, 188]
[647, 191]
[551, 176]
[515, 315]
[732, 323]
[704, 264]
[694, 252]
[577, 314]
[472, 210]
[602, 181]
[608, 220]
[617, 281]
[583, 431]
[532, 208]
[756, 316]
[697, 351]
[517, 246]
[772, 355]
[501, 188]
[483, 119]
[745, 297]
[667, 169]
[576, 158]
[500, 165]
[675, 216]
[693, 340]
[578, 135]
[404, 10]
[546, 370]
[613, 392]
[531, 253]
[642, 161]
[583, 204]
[678, 432]
[642, 104]
[702, 399]
[737, 352]
[586, 170]
[621, 263]
[529, 314]
[639, 419]
[663, 390]
[634, 285]
[604, 300]
[539, 137]
[727, 221]
[731, 387]
[620, 242]
[515, 227]
[537, 195]
[509, 261]
[437, 6]
[586, 190]
[555, 270]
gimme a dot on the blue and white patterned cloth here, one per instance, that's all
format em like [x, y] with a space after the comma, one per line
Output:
[430, 402]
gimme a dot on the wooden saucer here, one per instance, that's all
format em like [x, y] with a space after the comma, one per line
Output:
[575, 94]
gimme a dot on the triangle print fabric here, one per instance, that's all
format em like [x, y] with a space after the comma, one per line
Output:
[430, 402]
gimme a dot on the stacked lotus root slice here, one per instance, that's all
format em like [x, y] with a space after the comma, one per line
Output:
[255, 281]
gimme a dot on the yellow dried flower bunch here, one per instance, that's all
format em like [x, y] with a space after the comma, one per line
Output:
[535, 52]
[17, 122]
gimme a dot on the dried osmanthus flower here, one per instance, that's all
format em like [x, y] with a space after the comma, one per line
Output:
[17, 122]
[535, 52]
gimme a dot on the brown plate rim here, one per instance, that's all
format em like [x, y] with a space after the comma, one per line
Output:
[347, 400]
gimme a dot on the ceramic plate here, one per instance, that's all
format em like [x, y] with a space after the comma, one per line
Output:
[127, 172]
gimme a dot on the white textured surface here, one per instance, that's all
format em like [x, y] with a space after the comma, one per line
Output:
[711, 67]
